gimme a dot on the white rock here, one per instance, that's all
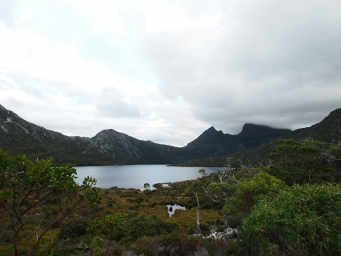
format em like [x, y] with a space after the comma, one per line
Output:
[173, 207]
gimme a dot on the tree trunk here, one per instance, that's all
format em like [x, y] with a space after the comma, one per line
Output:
[198, 212]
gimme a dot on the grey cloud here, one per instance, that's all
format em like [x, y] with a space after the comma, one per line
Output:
[112, 103]
[220, 63]
[272, 62]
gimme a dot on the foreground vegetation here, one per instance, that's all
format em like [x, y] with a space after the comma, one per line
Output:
[289, 206]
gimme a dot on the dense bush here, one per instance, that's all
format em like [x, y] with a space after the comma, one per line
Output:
[247, 193]
[123, 227]
[304, 220]
[305, 161]
[74, 229]
[37, 197]
[169, 244]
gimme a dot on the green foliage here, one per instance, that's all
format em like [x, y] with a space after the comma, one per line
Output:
[112, 226]
[42, 203]
[146, 186]
[304, 220]
[234, 163]
[39, 191]
[220, 191]
[248, 192]
[74, 229]
[335, 150]
[168, 244]
[202, 172]
[124, 227]
[305, 161]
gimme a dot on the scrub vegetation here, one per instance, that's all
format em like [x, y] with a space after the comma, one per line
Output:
[290, 206]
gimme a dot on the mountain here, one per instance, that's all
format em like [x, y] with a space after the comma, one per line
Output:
[19, 136]
[112, 147]
[216, 143]
[327, 130]
[127, 149]
[107, 147]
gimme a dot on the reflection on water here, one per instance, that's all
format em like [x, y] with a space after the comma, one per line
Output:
[135, 176]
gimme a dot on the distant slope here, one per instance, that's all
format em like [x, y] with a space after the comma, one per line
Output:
[213, 143]
[126, 149]
[327, 130]
[20, 136]
[112, 147]
[107, 147]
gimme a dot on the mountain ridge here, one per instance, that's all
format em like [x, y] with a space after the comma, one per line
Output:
[327, 130]
[112, 147]
[221, 143]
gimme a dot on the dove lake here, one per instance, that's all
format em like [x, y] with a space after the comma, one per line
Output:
[135, 176]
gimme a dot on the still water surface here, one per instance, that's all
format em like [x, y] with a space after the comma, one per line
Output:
[135, 176]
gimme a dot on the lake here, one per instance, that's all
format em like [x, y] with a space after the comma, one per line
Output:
[135, 176]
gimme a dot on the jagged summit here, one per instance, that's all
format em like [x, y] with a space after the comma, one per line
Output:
[112, 147]
[253, 130]
[212, 131]
[108, 132]
[211, 135]
[216, 143]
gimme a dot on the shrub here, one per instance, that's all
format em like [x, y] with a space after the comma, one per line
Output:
[305, 161]
[38, 188]
[74, 229]
[304, 220]
[247, 193]
[123, 227]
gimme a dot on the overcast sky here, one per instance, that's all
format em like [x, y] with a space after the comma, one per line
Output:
[167, 70]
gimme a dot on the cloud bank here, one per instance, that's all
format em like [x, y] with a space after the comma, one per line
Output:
[167, 70]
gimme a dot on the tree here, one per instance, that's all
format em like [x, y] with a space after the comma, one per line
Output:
[227, 173]
[202, 172]
[41, 190]
[302, 220]
[233, 163]
[219, 191]
[248, 192]
[197, 212]
[146, 186]
[305, 161]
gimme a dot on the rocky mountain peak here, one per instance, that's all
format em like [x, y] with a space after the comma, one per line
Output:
[211, 131]
[255, 130]
[107, 132]
[110, 146]
[249, 129]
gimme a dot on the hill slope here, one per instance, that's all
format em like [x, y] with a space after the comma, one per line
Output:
[19, 136]
[216, 143]
[112, 147]
[327, 130]
[107, 147]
